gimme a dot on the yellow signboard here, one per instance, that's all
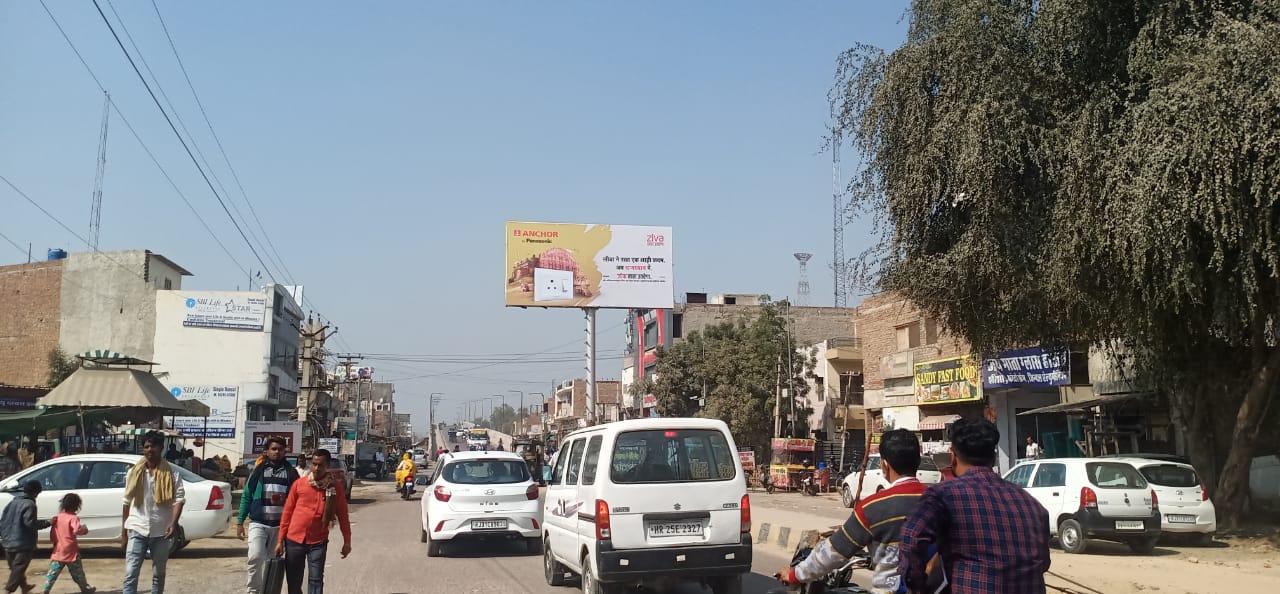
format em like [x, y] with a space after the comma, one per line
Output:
[596, 266]
[957, 379]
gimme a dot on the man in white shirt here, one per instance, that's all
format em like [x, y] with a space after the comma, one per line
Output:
[380, 459]
[153, 499]
[1033, 449]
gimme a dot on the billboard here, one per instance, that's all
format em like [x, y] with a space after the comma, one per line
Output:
[222, 402]
[948, 380]
[257, 432]
[1036, 367]
[595, 266]
[241, 312]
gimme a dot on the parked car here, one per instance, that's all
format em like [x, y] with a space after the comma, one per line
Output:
[1184, 502]
[480, 495]
[99, 479]
[876, 482]
[650, 502]
[1093, 498]
[419, 457]
[339, 470]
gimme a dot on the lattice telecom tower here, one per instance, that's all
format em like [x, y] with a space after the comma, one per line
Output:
[95, 209]
[802, 286]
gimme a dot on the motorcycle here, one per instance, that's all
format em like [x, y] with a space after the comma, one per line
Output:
[808, 483]
[767, 479]
[839, 580]
[406, 488]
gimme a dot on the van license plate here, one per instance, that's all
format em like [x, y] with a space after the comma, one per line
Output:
[1181, 519]
[488, 524]
[1129, 525]
[660, 529]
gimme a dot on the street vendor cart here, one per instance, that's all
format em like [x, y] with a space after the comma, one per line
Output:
[788, 461]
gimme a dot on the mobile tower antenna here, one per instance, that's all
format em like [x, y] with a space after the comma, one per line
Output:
[95, 211]
[839, 267]
[802, 286]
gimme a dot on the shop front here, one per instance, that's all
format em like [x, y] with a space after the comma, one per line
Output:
[946, 390]
[1021, 380]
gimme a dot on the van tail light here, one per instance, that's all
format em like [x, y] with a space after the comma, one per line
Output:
[1088, 499]
[443, 493]
[744, 510]
[532, 493]
[216, 500]
[602, 521]
[1155, 501]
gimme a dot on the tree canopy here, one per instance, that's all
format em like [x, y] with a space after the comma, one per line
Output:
[1088, 172]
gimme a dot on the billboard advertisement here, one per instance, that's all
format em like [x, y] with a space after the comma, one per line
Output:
[256, 434]
[955, 379]
[589, 266]
[222, 402]
[226, 312]
[1036, 367]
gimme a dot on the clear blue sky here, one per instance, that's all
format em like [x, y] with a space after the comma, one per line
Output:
[384, 145]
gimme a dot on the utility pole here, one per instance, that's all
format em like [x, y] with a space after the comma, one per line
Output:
[435, 397]
[313, 338]
[348, 360]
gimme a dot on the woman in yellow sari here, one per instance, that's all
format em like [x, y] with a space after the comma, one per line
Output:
[405, 474]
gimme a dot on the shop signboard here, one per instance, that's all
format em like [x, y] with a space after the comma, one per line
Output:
[748, 459]
[328, 443]
[236, 311]
[588, 266]
[1036, 367]
[942, 381]
[256, 434]
[223, 401]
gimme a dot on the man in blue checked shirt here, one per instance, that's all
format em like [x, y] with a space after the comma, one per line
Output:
[992, 535]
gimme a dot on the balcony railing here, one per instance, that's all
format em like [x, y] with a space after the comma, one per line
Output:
[844, 343]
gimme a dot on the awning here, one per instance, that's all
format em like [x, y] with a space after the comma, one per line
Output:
[105, 357]
[935, 422]
[193, 408]
[40, 420]
[1083, 405]
[131, 388]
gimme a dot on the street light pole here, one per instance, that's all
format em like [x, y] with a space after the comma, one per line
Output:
[521, 414]
[431, 418]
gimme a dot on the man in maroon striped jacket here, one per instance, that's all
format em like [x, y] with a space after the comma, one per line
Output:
[875, 522]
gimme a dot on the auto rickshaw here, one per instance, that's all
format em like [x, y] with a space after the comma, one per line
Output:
[531, 450]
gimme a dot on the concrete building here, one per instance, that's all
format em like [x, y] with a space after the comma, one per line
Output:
[836, 390]
[370, 404]
[571, 403]
[85, 301]
[235, 350]
[810, 325]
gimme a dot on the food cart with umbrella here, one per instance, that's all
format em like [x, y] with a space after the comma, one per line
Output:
[788, 456]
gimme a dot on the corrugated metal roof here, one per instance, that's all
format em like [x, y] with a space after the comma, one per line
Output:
[112, 388]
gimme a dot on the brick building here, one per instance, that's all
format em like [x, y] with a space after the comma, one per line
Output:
[570, 403]
[30, 320]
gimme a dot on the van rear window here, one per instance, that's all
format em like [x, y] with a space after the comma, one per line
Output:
[671, 456]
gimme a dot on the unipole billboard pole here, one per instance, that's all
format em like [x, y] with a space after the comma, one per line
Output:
[591, 364]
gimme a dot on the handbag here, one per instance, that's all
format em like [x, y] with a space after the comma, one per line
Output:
[273, 581]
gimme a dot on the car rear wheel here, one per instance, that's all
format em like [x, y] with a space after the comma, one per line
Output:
[425, 537]
[591, 585]
[727, 585]
[846, 496]
[533, 545]
[435, 548]
[553, 569]
[1071, 536]
[179, 540]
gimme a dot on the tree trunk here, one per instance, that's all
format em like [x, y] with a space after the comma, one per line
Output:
[1233, 483]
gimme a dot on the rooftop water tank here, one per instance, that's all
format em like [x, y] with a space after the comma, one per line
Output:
[57, 254]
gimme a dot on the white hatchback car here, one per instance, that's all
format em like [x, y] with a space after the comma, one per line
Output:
[1093, 498]
[876, 482]
[479, 495]
[1184, 502]
[99, 481]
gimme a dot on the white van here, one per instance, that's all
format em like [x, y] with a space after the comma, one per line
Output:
[649, 501]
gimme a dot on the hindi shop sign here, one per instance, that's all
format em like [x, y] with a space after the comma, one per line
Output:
[226, 312]
[222, 401]
[948, 380]
[1036, 367]
[256, 434]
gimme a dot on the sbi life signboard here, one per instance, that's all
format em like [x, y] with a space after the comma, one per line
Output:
[230, 311]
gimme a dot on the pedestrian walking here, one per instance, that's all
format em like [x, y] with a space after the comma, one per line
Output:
[315, 502]
[65, 534]
[380, 459]
[875, 523]
[992, 535]
[18, 531]
[153, 500]
[1033, 449]
[265, 493]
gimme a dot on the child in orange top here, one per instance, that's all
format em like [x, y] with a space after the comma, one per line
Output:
[66, 547]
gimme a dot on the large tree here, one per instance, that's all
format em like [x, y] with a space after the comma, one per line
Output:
[734, 371]
[1088, 171]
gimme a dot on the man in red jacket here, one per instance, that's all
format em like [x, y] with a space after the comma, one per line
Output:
[315, 502]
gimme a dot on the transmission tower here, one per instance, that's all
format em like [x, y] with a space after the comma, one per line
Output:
[95, 211]
[838, 264]
[802, 286]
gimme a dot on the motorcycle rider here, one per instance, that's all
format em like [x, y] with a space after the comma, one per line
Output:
[875, 522]
[405, 474]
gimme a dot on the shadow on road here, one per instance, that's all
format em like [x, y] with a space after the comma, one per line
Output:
[1114, 549]
[496, 547]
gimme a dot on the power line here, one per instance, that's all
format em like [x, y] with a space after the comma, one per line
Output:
[218, 142]
[13, 243]
[181, 140]
[138, 137]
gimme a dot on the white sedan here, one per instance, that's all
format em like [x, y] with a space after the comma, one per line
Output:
[876, 482]
[99, 479]
[479, 495]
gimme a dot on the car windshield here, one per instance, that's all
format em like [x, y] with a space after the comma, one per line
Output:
[1114, 475]
[927, 463]
[486, 472]
[682, 455]
[1171, 475]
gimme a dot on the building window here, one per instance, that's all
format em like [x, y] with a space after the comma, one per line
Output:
[930, 331]
[908, 336]
[819, 388]
[168, 284]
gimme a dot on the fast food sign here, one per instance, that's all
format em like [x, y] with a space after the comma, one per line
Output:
[956, 379]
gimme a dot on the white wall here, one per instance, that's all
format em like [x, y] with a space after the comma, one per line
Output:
[107, 301]
[1007, 403]
[209, 356]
